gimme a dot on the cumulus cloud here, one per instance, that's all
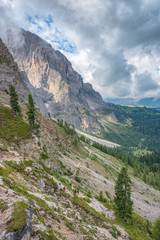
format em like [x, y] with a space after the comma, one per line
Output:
[113, 44]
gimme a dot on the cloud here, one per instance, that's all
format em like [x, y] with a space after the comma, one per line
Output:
[113, 44]
[145, 83]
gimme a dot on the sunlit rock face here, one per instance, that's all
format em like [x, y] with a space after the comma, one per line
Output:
[54, 84]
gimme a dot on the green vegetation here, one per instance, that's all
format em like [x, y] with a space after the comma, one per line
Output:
[14, 101]
[138, 126]
[146, 167]
[47, 236]
[138, 228]
[12, 128]
[19, 216]
[156, 229]
[101, 198]
[68, 130]
[44, 155]
[83, 204]
[123, 195]
[69, 225]
[31, 111]
[3, 205]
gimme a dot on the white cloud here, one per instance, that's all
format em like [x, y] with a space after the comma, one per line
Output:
[117, 42]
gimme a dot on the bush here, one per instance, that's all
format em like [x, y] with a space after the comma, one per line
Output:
[156, 229]
[44, 155]
[77, 179]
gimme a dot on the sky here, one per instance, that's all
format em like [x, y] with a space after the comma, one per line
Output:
[113, 44]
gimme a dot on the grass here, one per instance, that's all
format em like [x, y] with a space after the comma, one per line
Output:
[45, 236]
[69, 225]
[3, 205]
[12, 128]
[83, 204]
[19, 216]
[138, 228]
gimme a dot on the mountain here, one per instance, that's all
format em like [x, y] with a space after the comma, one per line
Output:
[33, 164]
[149, 102]
[10, 75]
[55, 86]
[144, 102]
[60, 91]
[120, 101]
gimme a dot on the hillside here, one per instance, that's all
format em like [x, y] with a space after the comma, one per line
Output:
[59, 90]
[33, 161]
[31, 170]
[131, 126]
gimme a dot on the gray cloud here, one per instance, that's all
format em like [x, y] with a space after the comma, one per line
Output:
[110, 32]
[145, 83]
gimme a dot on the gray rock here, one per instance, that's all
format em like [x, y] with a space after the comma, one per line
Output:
[55, 86]
[22, 234]
[36, 165]
[55, 198]
[11, 76]
[41, 184]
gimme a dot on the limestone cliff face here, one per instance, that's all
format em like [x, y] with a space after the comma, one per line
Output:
[54, 84]
[10, 75]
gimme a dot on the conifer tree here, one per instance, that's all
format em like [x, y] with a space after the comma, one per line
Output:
[122, 197]
[31, 111]
[14, 101]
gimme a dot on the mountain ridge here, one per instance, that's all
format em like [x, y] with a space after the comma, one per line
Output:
[54, 84]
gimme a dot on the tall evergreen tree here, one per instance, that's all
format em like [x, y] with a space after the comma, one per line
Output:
[31, 111]
[14, 101]
[122, 197]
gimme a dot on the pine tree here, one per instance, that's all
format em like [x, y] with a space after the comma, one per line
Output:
[122, 197]
[31, 111]
[14, 101]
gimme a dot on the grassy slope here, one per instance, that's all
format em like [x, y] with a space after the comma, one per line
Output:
[70, 155]
[12, 128]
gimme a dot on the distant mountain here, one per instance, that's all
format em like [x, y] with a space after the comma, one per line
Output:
[120, 101]
[144, 102]
[149, 102]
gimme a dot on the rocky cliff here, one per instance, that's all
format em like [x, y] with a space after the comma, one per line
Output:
[54, 84]
[10, 75]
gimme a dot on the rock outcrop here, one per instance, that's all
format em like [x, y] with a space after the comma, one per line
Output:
[10, 75]
[22, 234]
[54, 84]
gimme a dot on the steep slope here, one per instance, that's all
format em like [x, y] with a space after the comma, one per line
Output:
[10, 75]
[59, 90]
[33, 162]
[30, 172]
[55, 86]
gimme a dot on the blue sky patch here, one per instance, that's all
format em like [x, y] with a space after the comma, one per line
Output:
[46, 28]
